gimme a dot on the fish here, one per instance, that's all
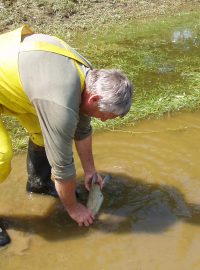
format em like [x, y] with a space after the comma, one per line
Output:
[96, 198]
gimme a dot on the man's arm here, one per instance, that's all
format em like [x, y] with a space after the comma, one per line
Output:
[52, 84]
[58, 125]
[84, 149]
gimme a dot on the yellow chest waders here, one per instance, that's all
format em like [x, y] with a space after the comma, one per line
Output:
[13, 99]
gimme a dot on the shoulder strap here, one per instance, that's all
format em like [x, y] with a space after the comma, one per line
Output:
[44, 46]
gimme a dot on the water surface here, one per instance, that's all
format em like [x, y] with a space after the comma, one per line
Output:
[150, 218]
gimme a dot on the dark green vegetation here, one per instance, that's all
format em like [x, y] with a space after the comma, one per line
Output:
[160, 55]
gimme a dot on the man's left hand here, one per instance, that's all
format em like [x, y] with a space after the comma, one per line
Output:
[88, 181]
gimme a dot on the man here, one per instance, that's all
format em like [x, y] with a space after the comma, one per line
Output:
[53, 91]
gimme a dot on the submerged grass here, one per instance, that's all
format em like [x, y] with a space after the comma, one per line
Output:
[161, 57]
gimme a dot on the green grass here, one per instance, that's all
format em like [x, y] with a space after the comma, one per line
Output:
[165, 74]
[18, 134]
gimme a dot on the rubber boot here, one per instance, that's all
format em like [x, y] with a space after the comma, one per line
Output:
[4, 237]
[39, 171]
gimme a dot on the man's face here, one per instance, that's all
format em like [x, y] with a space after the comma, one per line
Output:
[103, 116]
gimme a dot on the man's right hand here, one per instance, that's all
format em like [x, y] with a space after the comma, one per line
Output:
[77, 211]
[81, 214]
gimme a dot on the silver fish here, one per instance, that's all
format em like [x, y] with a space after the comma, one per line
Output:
[95, 198]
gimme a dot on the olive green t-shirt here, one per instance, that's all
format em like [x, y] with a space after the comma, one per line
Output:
[52, 83]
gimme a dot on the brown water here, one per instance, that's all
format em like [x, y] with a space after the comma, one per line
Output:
[150, 219]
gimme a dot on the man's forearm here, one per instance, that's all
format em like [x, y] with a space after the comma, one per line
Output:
[66, 191]
[84, 149]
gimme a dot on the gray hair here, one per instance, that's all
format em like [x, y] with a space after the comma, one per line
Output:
[114, 89]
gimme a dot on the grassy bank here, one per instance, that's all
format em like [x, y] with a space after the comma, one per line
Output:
[154, 43]
[161, 57]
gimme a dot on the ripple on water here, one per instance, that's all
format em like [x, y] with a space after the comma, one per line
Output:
[152, 198]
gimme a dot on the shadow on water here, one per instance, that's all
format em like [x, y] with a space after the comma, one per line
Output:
[130, 206]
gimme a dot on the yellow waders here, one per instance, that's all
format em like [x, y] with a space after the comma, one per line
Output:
[13, 100]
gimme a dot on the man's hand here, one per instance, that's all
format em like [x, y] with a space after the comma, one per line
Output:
[88, 180]
[82, 215]
[78, 212]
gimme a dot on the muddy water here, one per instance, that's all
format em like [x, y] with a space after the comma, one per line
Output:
[150, 218]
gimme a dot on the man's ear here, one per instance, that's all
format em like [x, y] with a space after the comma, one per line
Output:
[94, 99]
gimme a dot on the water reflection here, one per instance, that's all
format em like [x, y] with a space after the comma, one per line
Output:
[130, 206]
[184, 36]
[185, 39]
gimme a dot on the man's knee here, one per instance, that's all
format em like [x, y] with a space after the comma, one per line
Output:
[5, 164]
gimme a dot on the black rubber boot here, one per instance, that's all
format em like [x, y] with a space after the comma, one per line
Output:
[39, 171]
[4, 237]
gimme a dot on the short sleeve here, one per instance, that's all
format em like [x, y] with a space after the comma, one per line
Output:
[84, 128]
